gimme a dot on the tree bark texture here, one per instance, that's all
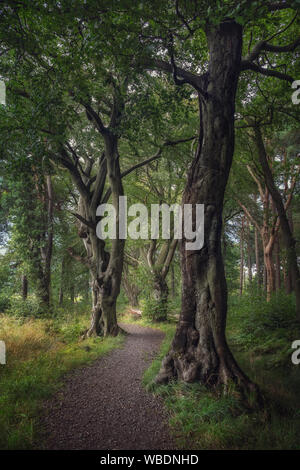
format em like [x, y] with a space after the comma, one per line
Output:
[199, 351]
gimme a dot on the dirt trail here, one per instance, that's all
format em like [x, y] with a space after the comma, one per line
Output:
[104, 406]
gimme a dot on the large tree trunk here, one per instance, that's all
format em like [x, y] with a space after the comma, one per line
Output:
[105, 268]
[199, 351]
[160, 294]
[104, 313]
[159, 271]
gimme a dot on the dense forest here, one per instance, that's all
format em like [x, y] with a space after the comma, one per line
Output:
[135, 106]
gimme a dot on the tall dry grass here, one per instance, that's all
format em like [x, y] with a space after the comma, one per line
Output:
[25, 339]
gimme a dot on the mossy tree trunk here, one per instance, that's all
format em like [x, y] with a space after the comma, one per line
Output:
[199, 351]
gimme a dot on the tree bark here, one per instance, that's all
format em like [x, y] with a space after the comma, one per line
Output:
[257, 259]
[72, 293]
[249, 253]
[62, 279]
[24, 287]
[131, 290]
[199, 351]
[42, 244]
[105, 268]
[242, 257]
[160, 294]
[173, 281]
[277, 259]
[159, 269]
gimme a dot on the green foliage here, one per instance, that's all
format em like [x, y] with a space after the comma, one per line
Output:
[29, 308]
[263, 327]
[154, 309]
[5, 301]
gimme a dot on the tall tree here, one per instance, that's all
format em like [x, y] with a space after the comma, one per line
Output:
[199, 350]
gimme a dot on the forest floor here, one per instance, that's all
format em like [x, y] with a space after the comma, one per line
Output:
[105, 406]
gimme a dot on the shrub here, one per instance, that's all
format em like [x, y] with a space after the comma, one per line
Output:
[155, 310]
[4, 302]
[264, 327]
[25, 308]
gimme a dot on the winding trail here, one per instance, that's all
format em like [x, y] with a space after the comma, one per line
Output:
[104, 406]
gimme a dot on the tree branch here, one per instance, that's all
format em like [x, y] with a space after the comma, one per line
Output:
[84, 221]
[247, 65]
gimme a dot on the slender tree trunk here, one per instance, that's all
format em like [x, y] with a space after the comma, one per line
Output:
[61, 295]
[270, 269]
[42, 244]
[278, 269]
[72, 293]
[249, 253]
[199, 351]
[290, 286]
[257, 260]
[242, 256]
[62, 276]
[173, 281]
[268, 241]
[131, 290]
[49, 241]
[24, 287]
[265, 280]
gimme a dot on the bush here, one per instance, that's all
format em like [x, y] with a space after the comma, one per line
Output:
[257, 315]
[155, 310]
[264, 327]
[4, 302]
[25, 308]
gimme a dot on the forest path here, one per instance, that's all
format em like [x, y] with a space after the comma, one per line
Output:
[104, 405]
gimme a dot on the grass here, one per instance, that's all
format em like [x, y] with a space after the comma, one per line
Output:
[39, 353]
[202, 419]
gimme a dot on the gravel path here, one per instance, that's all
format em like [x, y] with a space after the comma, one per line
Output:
[104, 406]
